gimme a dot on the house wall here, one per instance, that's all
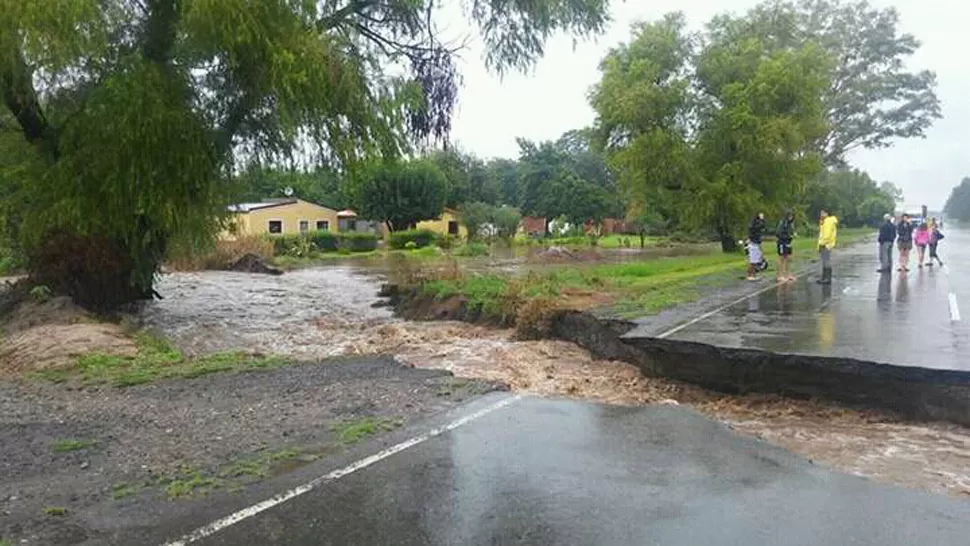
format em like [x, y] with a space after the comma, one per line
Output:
[440, 224]
[257, 222]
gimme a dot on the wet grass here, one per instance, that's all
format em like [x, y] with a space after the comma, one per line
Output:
[156, 359]
[55, 511]
[353, 431]
[627, 290]
[189, 482]
[68, 445]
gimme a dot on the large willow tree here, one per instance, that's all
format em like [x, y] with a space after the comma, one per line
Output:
[124, 118]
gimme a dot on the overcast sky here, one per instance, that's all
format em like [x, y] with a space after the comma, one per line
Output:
[544, 104]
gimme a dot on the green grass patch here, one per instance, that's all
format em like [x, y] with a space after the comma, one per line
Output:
[55, 511]
[353, 431]
[190, 485]
[156, 359]
[67, 445]
[5, 542]
[123, 490]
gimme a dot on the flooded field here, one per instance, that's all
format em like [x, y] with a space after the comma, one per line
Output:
[325, 312]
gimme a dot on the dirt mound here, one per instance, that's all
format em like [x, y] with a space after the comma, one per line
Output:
[53, 334]
[252, 263]
[53, 346]
[559, 254]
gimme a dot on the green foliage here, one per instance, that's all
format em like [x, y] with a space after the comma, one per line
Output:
[129, 116]
[353, 431]
[446, 241]
[705, 136]
[321, 186]
[851, 195]
[156, 359]
[476, 216]
[468, 179]
[400, 194]
[958, 204]
[321, 241]
[506, 220]
[56, 511]
[69, 445]
[40, 293]
[358, 242]
[472, 250]
[419, 237]
[565, 178]
[872, 97]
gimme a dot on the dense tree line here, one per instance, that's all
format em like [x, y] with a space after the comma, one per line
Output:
[958, 204]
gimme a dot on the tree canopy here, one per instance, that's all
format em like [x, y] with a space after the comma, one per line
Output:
[958, 204]
[118, 110]
[872, 96]
[400, 194]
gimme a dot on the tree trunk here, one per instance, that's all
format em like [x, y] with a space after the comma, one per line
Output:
[728, 244]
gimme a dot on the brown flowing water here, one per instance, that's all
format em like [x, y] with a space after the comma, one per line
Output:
[319, 313]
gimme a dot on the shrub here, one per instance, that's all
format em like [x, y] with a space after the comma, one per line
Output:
[324, 241]
[506, 220]
[420, 238]
[410, 245]
[472, 249]
[446, 241]
[358, 242]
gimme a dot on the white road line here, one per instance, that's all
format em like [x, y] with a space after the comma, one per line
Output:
[710, 314]
[954, 308]
[232, 519]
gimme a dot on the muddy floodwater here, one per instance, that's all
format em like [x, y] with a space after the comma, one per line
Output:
[327, 312]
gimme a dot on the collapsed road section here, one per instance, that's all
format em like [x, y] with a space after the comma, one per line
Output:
[920, 393]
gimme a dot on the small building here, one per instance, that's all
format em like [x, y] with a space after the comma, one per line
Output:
[348, 221]
[534, 226]
[281, 217]
[447, 223]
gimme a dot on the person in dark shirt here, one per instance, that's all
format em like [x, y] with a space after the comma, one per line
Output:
[756, 230]
[887, 236]
[785, 233]
[904, 241]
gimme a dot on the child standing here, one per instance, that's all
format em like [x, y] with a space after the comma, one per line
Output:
[922, 240]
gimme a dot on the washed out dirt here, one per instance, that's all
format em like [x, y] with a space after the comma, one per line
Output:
[328, 312]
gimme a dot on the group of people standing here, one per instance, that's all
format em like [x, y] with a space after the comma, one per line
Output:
[784, 233]
[903, 235]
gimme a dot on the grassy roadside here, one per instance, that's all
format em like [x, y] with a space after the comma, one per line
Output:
[625, 290]
[156, 359]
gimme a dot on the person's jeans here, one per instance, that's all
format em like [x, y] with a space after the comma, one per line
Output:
[886, 255]
[826, 254]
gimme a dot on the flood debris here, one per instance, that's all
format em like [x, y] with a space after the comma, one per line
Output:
[252, 263]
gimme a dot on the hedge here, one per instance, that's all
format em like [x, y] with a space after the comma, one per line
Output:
[420, 237]
[322, 241]
[358, 242]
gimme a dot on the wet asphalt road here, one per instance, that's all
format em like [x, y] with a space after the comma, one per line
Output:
[556, 472]
[907, 319]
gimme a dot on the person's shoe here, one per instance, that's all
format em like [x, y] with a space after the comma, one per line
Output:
[752, 279]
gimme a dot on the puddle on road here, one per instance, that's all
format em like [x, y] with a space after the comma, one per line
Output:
[327, 312]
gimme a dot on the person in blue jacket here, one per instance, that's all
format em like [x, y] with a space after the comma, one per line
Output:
[887, 238]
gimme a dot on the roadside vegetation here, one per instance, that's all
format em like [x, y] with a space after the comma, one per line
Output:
[156, 359]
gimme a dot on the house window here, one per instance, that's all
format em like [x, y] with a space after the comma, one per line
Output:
[276, 226]
[323, 225]
[452, 228]
[304, 226]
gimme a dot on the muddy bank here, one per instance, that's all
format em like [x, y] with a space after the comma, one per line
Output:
[178, 441]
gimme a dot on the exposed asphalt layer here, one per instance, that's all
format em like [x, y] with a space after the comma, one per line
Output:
[556, 472]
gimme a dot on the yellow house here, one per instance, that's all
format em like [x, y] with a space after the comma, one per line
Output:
[281, 216]
[447, 223]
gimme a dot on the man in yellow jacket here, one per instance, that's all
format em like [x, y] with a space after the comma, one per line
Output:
[828, 229]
